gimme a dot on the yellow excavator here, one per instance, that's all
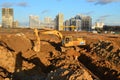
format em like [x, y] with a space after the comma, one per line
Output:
[66, 41]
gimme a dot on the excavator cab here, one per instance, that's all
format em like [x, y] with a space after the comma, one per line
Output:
[68, 41]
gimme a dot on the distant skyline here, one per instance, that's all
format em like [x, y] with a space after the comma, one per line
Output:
[107, 11]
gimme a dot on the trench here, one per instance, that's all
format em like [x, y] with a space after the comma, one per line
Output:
[104, 73]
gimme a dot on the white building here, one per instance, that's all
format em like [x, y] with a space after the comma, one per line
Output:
[98, 25]
[47, 20]
[34, 21]
[59, 21]
[50, 25]
[7, 17]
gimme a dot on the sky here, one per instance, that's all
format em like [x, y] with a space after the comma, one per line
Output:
[107, 11]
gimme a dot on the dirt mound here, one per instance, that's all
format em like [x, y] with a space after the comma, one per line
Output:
[17, 42]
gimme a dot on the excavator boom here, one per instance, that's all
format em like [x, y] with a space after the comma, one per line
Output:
[54, 32]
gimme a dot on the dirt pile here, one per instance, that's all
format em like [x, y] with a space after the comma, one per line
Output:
[16, 42]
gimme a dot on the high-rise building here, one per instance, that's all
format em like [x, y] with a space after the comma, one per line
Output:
[59, 21]
[47, 20]
[67, 23]
[82, 22]
[7, 17]
[72, 21]
[47, 23]
[34, 21]
[15, 24]
[78, 24]
[86, 23]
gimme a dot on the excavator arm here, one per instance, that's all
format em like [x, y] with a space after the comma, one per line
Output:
[54, 32]
[37, 41]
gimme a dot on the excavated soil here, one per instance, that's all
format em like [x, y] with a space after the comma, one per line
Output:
[98, 60]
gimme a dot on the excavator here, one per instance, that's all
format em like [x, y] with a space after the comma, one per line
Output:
[66, 41]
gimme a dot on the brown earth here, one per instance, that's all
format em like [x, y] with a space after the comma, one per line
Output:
[99, 59]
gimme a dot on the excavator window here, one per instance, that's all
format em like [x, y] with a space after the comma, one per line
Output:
[67, 40]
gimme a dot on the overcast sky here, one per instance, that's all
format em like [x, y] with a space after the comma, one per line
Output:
[107, 11]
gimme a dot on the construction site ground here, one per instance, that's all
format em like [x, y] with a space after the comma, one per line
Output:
[98, 60]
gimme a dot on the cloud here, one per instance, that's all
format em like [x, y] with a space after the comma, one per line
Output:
[22, 4]
[89, 13]
[103, 18]
[6, 4]
[44, 11]
[103, 2]
[91, 0]
[9, 4]
[58, 0]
